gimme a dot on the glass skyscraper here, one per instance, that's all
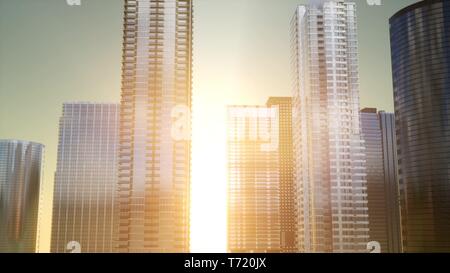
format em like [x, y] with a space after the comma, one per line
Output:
[261, 190]
[382, 183]
[84, 206]
[330, 169]
[288, 209]
[21, 165]
[420, 45]
[155, 146]
[253, 180]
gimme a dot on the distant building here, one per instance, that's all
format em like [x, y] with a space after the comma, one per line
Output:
[84, 202]
[261, 190]
[382, 185]
[420, 42]
[253, 180]
[288, 212]
[21, 165]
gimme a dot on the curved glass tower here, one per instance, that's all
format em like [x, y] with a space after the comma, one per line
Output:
[155, 146]
[420, 44]
[20, 184]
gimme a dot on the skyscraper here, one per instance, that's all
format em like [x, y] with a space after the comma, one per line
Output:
[382, 185]
[420, 45]
[84, 203]
[21, 165]
[261, 189]
[288, 209]
[253, 180]
[155, 146]
[330, 169]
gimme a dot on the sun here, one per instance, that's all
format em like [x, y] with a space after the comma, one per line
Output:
[208, 192]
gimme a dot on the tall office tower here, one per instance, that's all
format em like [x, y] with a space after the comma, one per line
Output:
[86, 177]
[420, 45]
[288, 213]
[155, 146]
[253, 180]
[382, 185]
[329, 156]
[21, 165]
[261, 190]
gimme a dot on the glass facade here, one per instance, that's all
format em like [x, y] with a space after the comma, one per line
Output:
[420, 45]
[288, 209]
[86, 177]
[330, 169]
[253, 180]
[390, 164]
[155, 146]
[21, 165]
[261, 191]
[382, 186]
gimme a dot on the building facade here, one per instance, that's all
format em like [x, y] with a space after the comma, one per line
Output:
[21, 178]
[420, 50]
[382, 185]
[253, 180]
[288, 209]
[262, 213]
[155, 146]
[330, 169]
[84, 201]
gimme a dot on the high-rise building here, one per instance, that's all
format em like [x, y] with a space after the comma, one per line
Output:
[253, 180]
[155, 146]
[420, 43]
[261, 190]
[21, 165]
[84, 205]
[288, 209]
[382, 185]
[330, 170]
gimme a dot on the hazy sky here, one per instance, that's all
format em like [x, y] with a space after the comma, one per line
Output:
[52, 53]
